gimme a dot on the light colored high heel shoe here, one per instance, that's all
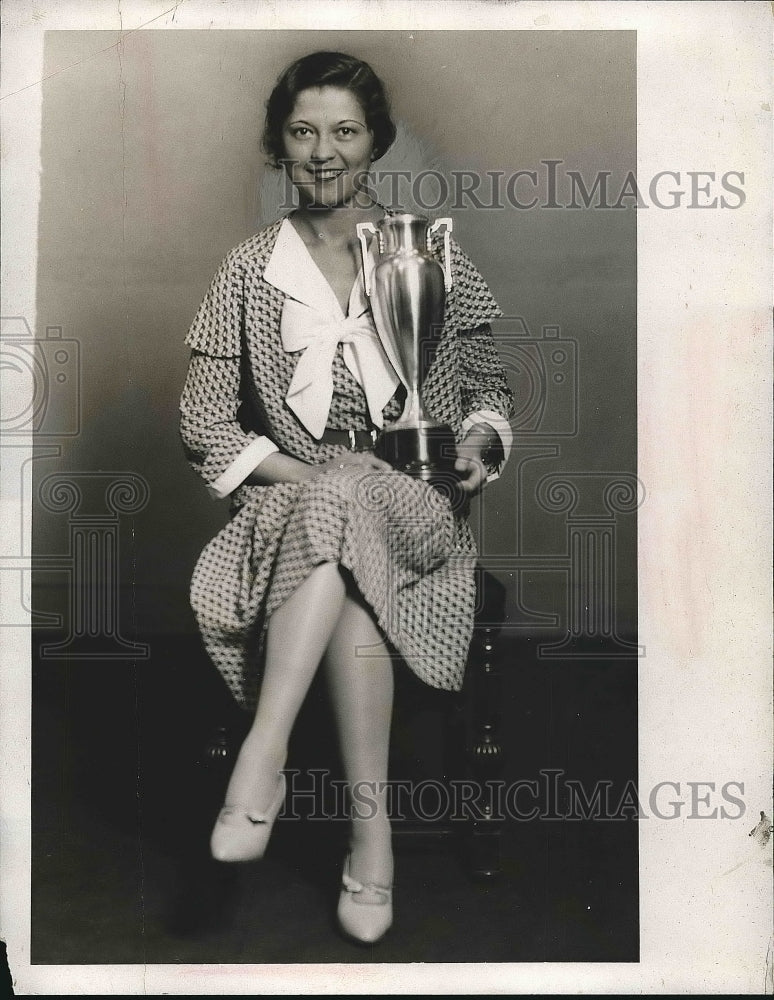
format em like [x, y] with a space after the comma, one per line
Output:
[241, 833]
[365, 908]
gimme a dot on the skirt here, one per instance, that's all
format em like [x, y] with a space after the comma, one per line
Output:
[412, 558]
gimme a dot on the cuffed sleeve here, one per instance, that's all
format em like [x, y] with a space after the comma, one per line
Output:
[245, 462]
[503, 430]
[216, 446]
[485, 388]
[485, 393]
[215, 443]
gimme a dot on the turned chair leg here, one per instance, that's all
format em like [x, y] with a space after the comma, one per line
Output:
[484, 750]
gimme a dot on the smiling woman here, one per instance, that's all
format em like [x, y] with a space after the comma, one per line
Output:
[329, 145]
[329, 150]
[329, 551]
[327, 121]
[329, 69]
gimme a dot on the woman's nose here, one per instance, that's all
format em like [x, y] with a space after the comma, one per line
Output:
[322, 149]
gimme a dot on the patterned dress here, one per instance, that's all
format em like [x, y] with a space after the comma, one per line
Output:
[410, 555]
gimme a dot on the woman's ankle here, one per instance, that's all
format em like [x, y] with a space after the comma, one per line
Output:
[255, 775]
[264, 753]
[370, 848]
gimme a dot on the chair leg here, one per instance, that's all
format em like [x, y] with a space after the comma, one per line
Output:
[485, 756]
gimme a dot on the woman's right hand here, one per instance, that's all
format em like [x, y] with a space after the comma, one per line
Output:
[361, 459]
[279, 468]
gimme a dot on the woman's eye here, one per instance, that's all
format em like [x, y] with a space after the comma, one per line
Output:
[300, 132]
[345, 130]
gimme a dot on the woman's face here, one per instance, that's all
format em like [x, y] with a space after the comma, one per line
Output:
[328, 145]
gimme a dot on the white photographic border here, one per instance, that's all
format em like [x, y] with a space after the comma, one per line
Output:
[704, 536]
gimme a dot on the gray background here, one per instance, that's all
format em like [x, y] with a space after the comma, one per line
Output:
[152, 171]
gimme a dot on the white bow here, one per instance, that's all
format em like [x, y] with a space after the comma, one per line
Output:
[311, 388]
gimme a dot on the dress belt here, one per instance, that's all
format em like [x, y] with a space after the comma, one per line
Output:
[354, 440]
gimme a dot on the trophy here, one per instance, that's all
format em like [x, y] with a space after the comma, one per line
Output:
[407, 290]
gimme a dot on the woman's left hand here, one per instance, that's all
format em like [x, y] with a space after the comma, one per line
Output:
[470, 451]
[470, 466]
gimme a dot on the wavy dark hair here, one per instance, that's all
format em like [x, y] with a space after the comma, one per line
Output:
[328, 69]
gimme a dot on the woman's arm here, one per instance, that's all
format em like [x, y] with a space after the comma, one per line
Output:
[487, 401]
[484, 383]
[279, 468]
[217, 447]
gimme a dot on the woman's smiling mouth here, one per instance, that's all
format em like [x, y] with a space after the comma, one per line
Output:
[327, 174]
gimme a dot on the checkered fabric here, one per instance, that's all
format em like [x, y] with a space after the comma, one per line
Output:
[411, 557]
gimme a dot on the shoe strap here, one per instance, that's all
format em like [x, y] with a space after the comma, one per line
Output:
[352, 885]
[228, 811]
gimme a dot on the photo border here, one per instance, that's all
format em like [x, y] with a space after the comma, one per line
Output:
[704, 534]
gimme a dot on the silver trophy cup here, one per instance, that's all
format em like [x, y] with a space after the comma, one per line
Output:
[407, 291]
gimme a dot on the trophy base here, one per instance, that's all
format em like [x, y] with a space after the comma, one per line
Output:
[426, 452]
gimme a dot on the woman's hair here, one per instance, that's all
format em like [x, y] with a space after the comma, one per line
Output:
[328, 69]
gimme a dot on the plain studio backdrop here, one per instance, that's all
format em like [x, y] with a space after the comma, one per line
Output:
[152, 171]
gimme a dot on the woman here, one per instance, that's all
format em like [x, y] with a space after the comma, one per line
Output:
[329, 555]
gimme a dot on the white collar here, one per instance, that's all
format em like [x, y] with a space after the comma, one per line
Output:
[292, 269]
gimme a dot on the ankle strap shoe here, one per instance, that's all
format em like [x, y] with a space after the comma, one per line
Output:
[365, 908]
[241, 833]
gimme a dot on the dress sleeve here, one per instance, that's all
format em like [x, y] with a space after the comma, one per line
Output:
[486, 395]
[215, 444]
[470, 301]
[217, 327]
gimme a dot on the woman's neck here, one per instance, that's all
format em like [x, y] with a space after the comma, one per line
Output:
[335, 224]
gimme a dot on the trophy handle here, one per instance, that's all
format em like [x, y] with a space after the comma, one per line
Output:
[363, 228]
[448, 224]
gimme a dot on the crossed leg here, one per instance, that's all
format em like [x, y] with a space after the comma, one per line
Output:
[297, 636]
[326, 616]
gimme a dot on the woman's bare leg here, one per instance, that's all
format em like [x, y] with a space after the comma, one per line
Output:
[361, 687]
[297, 635]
